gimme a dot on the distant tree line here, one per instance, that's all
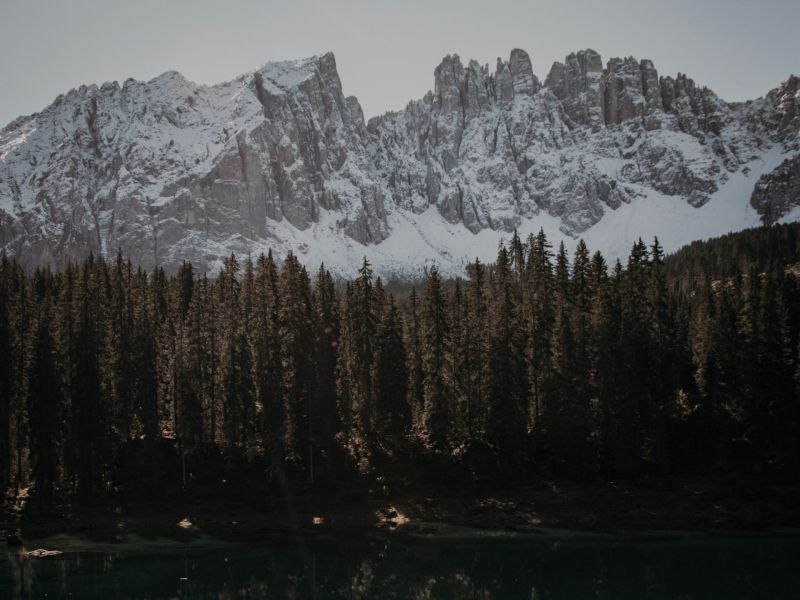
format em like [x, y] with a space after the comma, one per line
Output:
[539, 363]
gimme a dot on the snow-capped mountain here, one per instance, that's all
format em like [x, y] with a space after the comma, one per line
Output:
[279, 158]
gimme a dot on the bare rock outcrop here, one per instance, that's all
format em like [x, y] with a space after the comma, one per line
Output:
[578, 82]
[778, 192]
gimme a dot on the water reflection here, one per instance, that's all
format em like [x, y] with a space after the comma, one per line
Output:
[729, 567]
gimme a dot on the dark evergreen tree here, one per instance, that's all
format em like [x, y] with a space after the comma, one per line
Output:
[21, 323]
[238, 393]
[416, 378]
[89, 415]
[359, 326]
[436, 408]
[145, 374]
[507, 421]
[623, 437]
[662, 377]
[391, 379]
[567, 409]
[267, 356]
[326, 324]
[458, 363]
[475, 376]
[297, 361]
[6, 373]
[119, 341]
[539, 318]
[44, 396]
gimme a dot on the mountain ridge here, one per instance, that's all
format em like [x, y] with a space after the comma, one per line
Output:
[170, 170]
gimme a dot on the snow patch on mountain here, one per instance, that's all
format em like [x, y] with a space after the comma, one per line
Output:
[420, 241]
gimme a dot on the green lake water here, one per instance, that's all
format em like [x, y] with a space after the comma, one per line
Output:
[465, 565]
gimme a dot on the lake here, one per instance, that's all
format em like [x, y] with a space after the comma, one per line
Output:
[452, 565]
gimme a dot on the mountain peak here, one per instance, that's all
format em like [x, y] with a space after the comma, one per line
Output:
[282, 76]
[523, 79]
[279, 158]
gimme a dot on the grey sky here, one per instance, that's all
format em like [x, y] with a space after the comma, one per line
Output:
[386, 50]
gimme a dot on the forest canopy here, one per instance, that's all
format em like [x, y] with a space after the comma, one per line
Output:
[541, 363]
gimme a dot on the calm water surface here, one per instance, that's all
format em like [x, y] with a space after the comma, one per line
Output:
[454, 566]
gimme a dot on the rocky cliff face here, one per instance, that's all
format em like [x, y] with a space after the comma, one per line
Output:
[579, 84]
[169, 170]
[492, 150]
[778, 192]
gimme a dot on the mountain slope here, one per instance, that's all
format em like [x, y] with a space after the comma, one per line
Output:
[170, 170]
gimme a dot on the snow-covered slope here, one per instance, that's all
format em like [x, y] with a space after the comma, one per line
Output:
[279, 158]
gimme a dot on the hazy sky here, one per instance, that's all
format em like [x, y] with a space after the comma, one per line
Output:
[385, 50]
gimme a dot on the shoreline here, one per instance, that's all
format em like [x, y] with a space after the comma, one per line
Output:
[66, 544]
[691, 508]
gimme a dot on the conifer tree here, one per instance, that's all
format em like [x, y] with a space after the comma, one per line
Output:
[580, 298]
[774, 401]
[567, 408]
[358, 356]
[236, 386]
[622, 441]
[602, 341]
[120, 324]
[326, 325]
[416, 379]
[21, 323]
[391, 378]
[538, 318]
[267, 356]
[475, 376]
[297, 360]
[662, 376]
[6, 374]
[635, 402]
[66, 348]
[44, 402]
[517, 256]
[507, 422]
[436, 412]
[188, 384]
[88, 410]
[145, 373]
[458, 363]
[238, 393]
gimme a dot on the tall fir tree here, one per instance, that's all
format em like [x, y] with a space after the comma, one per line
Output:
[326, 327]
[359, 327]
[507, 419]
[416, 378]
[475, 376]
[267, 357]
[297, 361]
[89, 413]
[6, 373]
[391, 379]
[437, 410]
[145, 375]
[44, 404]
[538, 318]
